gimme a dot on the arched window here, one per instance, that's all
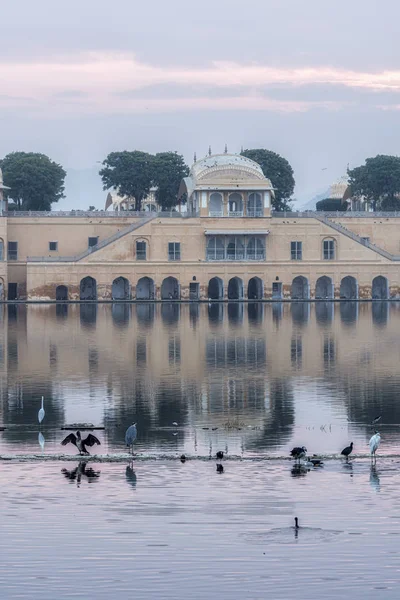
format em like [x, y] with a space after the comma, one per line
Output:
[329, 249]
[254, 205]
[235, 205]
[215, 249]
[1, 249]
[215, 205]
[235, 249]
[255, 249]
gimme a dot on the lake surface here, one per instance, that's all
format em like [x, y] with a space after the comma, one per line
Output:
[250, 379]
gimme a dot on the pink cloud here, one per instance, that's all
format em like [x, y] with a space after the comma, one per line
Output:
[93, 82]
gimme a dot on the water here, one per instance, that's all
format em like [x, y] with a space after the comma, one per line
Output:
[252, 380]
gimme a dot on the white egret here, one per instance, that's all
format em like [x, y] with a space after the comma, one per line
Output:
[130, 436]
[81, 444]
[374, 443]
[41, 412]
[41, 440]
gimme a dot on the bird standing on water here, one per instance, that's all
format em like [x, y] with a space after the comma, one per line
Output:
[374, 443]
[41, 412]
[298, 452]
[81, 444]
[347, 451]
[220, 455]
[130, 436]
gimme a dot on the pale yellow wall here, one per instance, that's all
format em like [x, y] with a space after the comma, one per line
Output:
[384, 232]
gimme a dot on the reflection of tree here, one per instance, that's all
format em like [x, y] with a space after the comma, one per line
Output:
[279, 422]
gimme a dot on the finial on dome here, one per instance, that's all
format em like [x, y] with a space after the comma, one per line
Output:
[194, 157]
[241, 149]
[209, 150]
[226, 149]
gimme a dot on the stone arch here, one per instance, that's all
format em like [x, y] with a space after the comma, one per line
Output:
[254, 205]
[88, 289]
[380, 288]
[61, 293]
[170, 289]
[300, 288]
[235, 289]
[145, 289]
[255, 289]
[120, 289]
[215, 205]
[215, 288]
[235, 203]
[324, 288]
[349, 288]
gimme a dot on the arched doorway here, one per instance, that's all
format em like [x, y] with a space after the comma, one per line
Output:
[215, 205]
[120, 289]
[170, 289]
[216, 288]
[300, 288]
[254, 205]
[145, 289]
[235, 202]
[88, 289]
[324, 288]
[255, 289]
[349, 288]
[380, 288]
[61, 293]
[235, 289]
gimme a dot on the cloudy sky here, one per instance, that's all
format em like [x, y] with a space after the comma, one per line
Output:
[317, 82]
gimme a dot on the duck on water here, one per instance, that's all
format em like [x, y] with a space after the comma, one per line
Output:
[80, 443]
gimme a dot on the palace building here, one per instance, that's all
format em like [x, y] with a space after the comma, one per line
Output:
[227, 245]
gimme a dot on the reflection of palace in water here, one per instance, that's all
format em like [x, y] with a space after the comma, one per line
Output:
[214, 362]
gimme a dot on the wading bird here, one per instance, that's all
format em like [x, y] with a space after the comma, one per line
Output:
[347, 451]
[81, 444]
[374, 443]
[41, 413]
[130, 437]
[298, 452]
[296, 523]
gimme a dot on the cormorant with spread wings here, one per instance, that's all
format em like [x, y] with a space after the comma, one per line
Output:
[81, 444]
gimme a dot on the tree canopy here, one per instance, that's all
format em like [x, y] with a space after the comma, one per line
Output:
[132, 174]
[378, 181]
[35, 180]
[331, 204]
[169, 169]
[278, 170]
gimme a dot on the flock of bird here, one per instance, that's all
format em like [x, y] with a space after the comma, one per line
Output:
[298, 452]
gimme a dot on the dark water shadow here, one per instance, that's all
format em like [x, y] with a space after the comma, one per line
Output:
[81, 472]
[121, 314]
[380, 313]
[88, 315]
[235, 313]
[300, 313]
[324, 312]
[170, 313]
[215, 313]
[255, 312]
[61, 311]
[145, 313]
[349, 313]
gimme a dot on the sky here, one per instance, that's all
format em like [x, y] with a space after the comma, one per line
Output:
[317, 82]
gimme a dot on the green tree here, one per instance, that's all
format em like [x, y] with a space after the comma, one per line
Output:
[169, 170]
[378, 181]
[35, 180]
[331, 204]
[130, 174]
[278, 170]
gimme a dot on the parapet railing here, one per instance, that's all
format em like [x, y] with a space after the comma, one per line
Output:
[97, 213]
[349, 214]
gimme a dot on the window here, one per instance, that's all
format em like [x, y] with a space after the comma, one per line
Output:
[215, 249]
[53, 246]
[296, 250]
[329, 249]
[174, 251]
[140, 250]
[92, 241]
[235, 249]
[1, 250]
[12, 250]
[255, 249]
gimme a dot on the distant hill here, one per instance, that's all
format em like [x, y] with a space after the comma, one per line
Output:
[311, 204]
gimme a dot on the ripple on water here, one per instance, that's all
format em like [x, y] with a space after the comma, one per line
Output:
[290, 535]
